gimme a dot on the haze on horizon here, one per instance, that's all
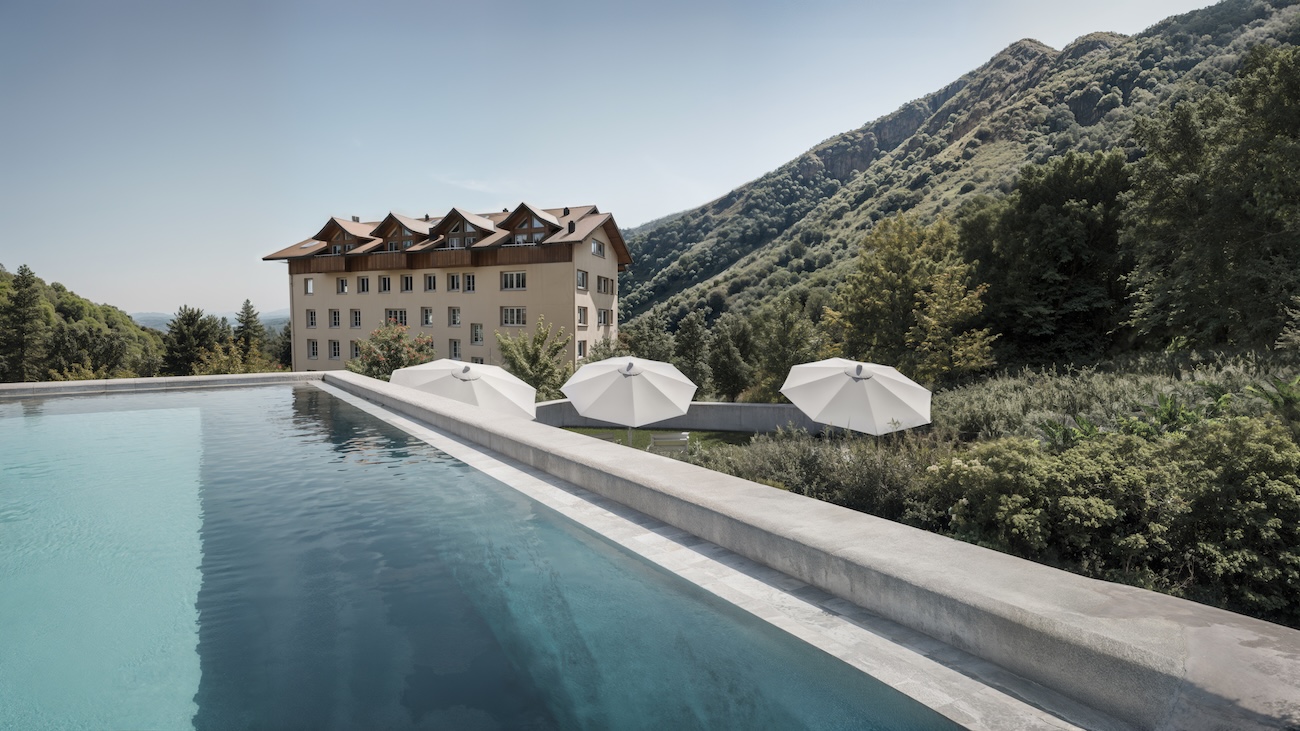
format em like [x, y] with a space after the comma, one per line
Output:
[155, 151]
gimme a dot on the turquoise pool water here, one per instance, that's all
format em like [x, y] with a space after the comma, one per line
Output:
[273, 558]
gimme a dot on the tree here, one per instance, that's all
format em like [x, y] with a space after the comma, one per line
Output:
[389, 348]
[691, 350]
[647, 337]
[1214, 219]
[787, 337]
[189, 333]
[540, 359]
[229, 358]
[249, 331]
[908, 304]
[606, 348]
[731, 356]
[280, 347]
[1051, 256]
[23, 330]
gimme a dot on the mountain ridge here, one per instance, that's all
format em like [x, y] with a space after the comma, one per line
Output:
[799, 224]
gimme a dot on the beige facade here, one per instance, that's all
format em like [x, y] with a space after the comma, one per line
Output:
[557, 264]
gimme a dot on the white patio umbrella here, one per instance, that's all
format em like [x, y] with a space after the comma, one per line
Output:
[488, 386]
[864, 397]
[629, 391]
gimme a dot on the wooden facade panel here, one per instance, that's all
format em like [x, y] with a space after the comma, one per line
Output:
[439, 259]
[517, 255]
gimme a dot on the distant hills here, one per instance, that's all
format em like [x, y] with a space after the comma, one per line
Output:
[797, 227]
[273, 320]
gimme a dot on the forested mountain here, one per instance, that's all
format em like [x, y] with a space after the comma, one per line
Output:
[798, 227]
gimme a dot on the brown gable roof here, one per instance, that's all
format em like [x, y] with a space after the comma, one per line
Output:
[298, 250]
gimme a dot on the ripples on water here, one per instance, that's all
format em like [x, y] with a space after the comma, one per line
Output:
[356, 578]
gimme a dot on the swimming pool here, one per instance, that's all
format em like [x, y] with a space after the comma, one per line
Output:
[274, 558]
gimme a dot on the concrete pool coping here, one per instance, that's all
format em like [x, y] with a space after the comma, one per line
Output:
[1097, 654]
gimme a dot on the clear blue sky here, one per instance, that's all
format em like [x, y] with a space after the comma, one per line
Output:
[152, 152]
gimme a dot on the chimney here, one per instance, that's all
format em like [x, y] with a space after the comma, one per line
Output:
[572, 227]
[426, 217]
[566, 210]
[356, 219]
[505, 210]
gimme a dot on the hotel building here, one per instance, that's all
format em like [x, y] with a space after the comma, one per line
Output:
[460, 278]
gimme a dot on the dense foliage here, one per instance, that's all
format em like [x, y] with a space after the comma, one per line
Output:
[389, 348]
[49, 333]
[1183, 478]
[538, 359]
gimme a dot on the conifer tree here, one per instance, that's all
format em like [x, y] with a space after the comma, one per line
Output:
[249, 331]
[188, 335]
[23, 330]
[731, 356]
[691, 350]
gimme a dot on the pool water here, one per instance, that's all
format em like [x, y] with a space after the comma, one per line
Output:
[274, 558]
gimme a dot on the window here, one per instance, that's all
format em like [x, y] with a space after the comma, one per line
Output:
[598, 248]
[476, 333]
[398, 316]
[453, 347]
[311, 350]
[334, 350]
[582, 279]
[342, 283]
[408, 283]
[354, 349]
[334, 318]
[426, 316]
[455, 228]
[356, 318]
[453, 282]
[469, 282]
[430, 282]
[604, 285]
[453, 317]
[513, 280]
[385, 284]
[476, 360]
[308, 287]
[582, 315]
[582, 348]
[470, 240]
[604, 317]
[336, 249]
[513, 316]
[393, 246]
[363, 285]
[406, 243]
[454, 243]
[311, 318]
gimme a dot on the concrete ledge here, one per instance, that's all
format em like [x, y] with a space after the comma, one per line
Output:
[1149, 660]
[702, 416]
[163, 383]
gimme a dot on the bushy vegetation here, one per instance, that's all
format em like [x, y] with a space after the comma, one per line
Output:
[1173, 475]
[539, 359]
[389, 348]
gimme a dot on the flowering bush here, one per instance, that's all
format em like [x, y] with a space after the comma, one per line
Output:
[389, 348]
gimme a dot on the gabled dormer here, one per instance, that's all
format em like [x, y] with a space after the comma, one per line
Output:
[460, 230]
[528, 225]
[342, 236]
[400, 233]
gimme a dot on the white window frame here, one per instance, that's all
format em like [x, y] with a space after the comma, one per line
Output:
[426, 317]
[342, 286]
[476, 333]
[385, 284]
[431, 283]
[335, 319]
[335, 352]
[311, 318]
[582, 348]
[453, 349]
[582, 279]
[604, 318]
[514, 281]
[354, 349]
[313, 350]
[514, 317]
[469, 282]
[453, 317]
[308, 286]
[395, 314]
[598, 248]
[582, 316]
[363, 285]
[408, 282]
[453, 282]
[354, 318]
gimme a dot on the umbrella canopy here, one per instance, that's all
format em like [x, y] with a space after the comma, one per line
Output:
[864, 397]
[629, 391]
[488, 386]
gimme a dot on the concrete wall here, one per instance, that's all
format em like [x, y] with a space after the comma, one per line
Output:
[702, 416]
[1149, 660]
[118, 385]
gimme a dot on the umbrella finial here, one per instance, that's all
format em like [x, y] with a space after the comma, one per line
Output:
[631, 369]
[466, 373]
[855, 372]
